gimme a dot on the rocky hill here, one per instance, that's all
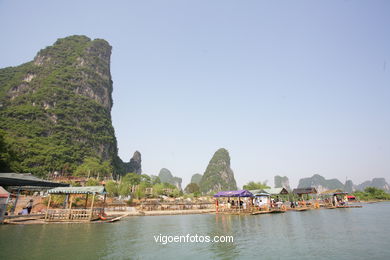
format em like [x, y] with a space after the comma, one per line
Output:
[166, 176]
[134, 165]
[349, 187]
[320, 183]
[56, 109]
[196, 178]
[379, 183]
[218, 175]
[282, 182]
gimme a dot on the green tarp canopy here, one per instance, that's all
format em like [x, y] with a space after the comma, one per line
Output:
[78, 190]
[26, 179]
[259, 193]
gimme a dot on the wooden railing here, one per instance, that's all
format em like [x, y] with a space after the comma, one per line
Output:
[73, 214]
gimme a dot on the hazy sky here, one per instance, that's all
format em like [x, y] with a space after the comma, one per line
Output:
[288, 87]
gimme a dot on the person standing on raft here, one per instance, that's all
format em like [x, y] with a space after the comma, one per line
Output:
[29, 206]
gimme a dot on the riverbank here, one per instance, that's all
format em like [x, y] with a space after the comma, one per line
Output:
[132, 212]
[162, 212]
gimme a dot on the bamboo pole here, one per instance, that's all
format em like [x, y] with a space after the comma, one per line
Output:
[93, 200]
[70, 207]
[104, 202]
[86, 201]
[16, 202]
[48, 206]
[66, 201]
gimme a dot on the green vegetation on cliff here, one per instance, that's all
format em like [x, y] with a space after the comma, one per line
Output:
[192, 188]
[55, 110]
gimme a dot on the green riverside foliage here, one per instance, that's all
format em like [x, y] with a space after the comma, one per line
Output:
[55, 110]
[192, 188]
[92, 182]
[112, 188]
[139, 183]
[372, 193]
[255, 186]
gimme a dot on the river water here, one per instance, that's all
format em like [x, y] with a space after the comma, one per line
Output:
[359, 233]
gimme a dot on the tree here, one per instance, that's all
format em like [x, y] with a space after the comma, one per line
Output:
[155, 179]
[372, 193]
[255, 185]
[92, 167]
[92, 182]
[112, 188]
[166, 189]
[124, 189]
[8, 158]
[132, 179]
[146, 180]
[192, 188]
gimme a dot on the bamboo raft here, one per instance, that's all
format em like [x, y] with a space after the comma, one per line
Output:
[344, 207]
[299, 209]
[274, 211]
[349, 206]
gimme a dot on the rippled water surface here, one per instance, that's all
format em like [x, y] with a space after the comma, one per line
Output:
[361, 233]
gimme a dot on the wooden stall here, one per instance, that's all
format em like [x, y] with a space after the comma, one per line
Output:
[76, 214]
[238, 201]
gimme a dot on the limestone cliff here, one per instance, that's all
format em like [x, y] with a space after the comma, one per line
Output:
[196, 178]
[320, 183]
[379, 183]
[218, 175]
[166, 176]
[282, 182]
[56, 109]
[134, 165]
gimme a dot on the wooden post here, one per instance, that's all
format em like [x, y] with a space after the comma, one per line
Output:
[104, 202]
[48, 206]
[66, 201]
[16, 202]
[86, 201]
[93, 200]
[70, 207]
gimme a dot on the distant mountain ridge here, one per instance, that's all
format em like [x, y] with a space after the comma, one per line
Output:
[166, 176]
[281, 182]
[379, 183]
[322, 184]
